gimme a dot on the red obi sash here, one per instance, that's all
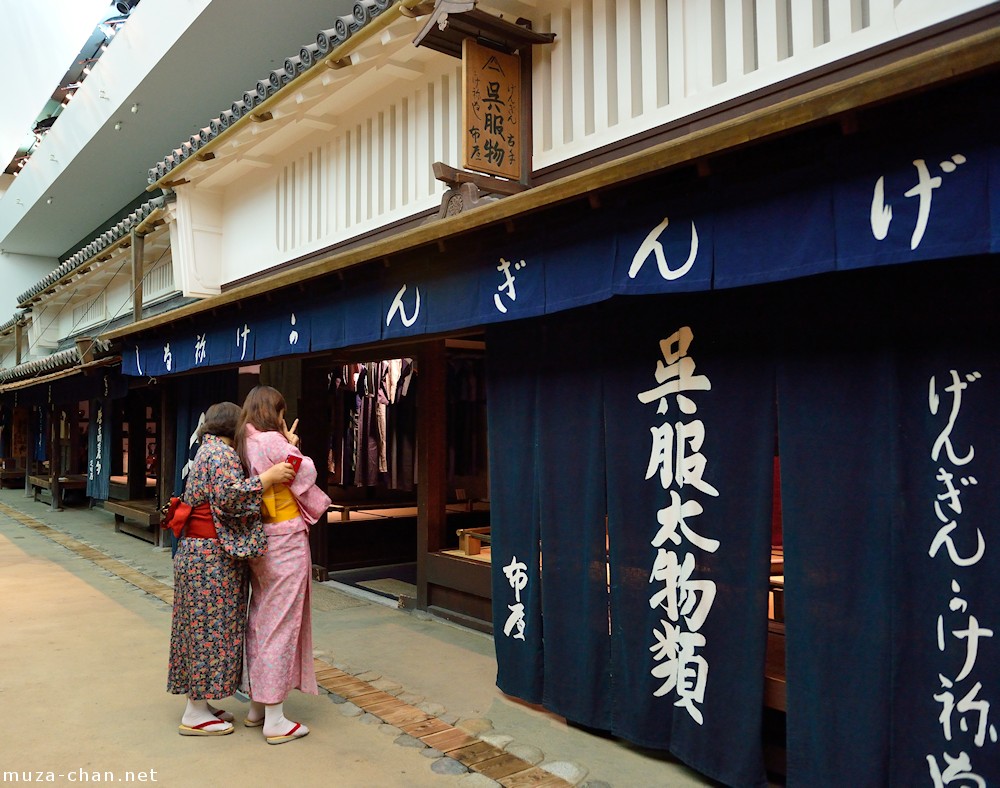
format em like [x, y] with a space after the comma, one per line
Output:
[197, 519]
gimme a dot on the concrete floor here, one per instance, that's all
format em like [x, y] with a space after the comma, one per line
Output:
[83, 667]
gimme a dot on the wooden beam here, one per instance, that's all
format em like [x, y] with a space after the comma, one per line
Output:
[31, 433]
[138, 273]
[55, 458]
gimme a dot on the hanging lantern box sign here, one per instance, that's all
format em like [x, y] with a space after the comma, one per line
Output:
[492, 90]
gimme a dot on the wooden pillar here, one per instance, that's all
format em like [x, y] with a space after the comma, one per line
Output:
[55, 458]
[74, 441]
[138, 272]
[29, 451]
[166, 454]
[432, 451]
[18, 338]
[166, 439]
[116, 423]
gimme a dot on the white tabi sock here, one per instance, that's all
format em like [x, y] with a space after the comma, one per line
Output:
[275, 723]
[197, 712]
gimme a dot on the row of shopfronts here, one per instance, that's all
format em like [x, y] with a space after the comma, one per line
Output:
[605, 432]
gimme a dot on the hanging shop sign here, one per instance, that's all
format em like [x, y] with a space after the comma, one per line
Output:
[491, 83]
[99, 449]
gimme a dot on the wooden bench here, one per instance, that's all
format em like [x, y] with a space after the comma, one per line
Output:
[39, 483]
[12, 470]
[136, 518]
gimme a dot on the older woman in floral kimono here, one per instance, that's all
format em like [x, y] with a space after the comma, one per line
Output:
[279, 626]
[214, 521]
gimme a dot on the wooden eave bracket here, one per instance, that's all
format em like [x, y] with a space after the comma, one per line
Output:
[486, 183]
[452, 21]
[415, 11]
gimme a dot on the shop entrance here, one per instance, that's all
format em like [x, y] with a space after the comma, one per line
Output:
[368, 449]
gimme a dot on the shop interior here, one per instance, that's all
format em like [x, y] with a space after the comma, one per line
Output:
[358, 421]
[134, 455]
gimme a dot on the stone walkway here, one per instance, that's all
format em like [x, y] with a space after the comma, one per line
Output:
[358, 644]
[470, 747]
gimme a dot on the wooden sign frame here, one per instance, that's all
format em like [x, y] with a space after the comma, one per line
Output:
[493, 142]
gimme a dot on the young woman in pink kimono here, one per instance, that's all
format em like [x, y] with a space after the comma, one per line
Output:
[279, 627]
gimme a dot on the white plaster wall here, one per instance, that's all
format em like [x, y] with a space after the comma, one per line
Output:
[43, 331]
[370, 166]
[196, 226]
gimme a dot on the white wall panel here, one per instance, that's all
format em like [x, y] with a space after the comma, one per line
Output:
[196, 237]
[367, 168]
[672, 58]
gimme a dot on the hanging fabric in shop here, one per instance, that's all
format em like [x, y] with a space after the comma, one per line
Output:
[343, 424]
[99, 449]
[373, 424]
[403, 428]
[370, 460]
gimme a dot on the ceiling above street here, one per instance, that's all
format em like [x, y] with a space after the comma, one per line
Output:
[218, 57]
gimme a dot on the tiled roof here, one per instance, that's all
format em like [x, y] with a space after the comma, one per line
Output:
[11, 323]
[41, 366]
[308, 56]
[101, 242]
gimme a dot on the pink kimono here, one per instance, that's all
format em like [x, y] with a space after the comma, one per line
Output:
[279, 627]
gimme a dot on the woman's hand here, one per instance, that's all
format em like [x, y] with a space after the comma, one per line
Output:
[281, 473]
[289, 432]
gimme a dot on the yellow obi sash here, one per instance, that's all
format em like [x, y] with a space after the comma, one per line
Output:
[279, 505]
